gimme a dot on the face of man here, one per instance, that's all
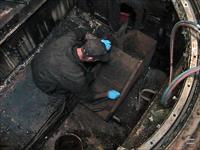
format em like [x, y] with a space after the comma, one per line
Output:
[82, 56]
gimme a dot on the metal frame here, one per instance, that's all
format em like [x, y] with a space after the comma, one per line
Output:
[189, 135]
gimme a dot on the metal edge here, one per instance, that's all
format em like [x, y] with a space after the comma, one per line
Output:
[186, 137]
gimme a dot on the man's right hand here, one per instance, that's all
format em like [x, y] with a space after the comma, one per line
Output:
[113, 94]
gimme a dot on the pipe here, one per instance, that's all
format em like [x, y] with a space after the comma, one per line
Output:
[168, 92]
[179, 24]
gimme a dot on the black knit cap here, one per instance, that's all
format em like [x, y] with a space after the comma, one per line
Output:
[96, 49]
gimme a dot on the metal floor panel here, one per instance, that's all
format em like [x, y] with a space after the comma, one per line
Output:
[23, 111]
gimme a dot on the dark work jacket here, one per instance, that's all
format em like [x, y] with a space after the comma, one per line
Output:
[57, 70]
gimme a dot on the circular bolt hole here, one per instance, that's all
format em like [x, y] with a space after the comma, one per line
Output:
[195, 56]
[188, 85]
[69, 141]
[186, 4]
[151, 143]
[174, 115]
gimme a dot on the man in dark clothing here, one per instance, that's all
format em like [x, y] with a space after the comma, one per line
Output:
[67, 65]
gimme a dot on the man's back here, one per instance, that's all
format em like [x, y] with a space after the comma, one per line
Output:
[55, 68]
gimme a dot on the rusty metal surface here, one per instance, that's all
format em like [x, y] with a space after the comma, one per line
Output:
[95, 133]
[126, 89]
[124, 70]
[85, 123]
[117, 71]
[115, 75]
[136, 43]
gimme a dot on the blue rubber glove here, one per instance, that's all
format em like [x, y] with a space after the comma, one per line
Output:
[107, 44]
[113, 94]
